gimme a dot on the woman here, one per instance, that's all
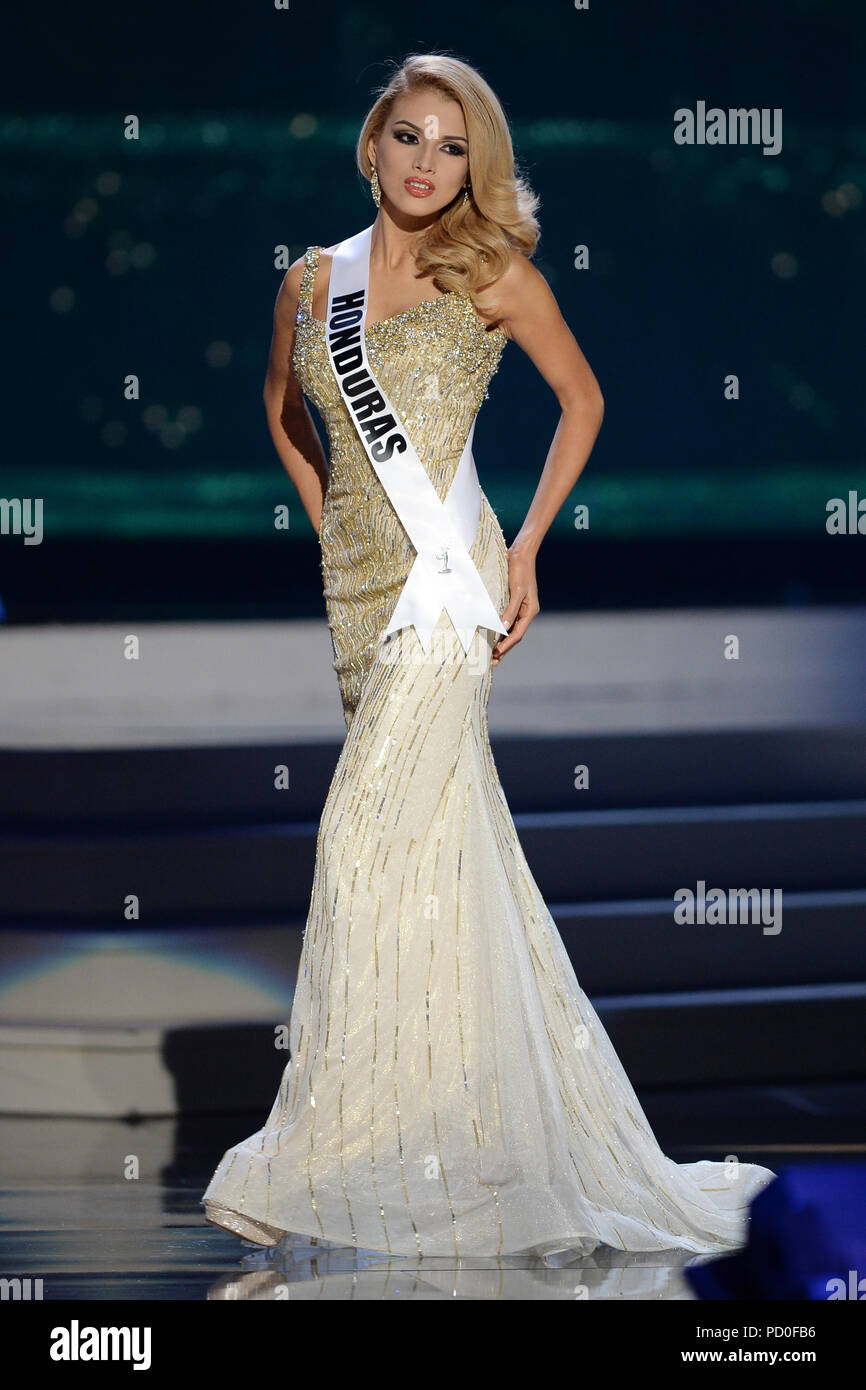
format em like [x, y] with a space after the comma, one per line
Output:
[451, 1090]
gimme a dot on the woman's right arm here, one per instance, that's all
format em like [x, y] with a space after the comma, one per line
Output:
[289, 420]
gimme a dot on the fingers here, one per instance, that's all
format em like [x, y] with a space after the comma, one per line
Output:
[506, 643]
[512, 609]
[522, 608]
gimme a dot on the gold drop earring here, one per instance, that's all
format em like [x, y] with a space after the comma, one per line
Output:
[465, 195]
[374, 184]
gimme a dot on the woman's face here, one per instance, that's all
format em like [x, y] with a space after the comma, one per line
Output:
[422, 154]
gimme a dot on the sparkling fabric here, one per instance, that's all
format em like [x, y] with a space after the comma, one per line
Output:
[450, 1088]
[435, 362]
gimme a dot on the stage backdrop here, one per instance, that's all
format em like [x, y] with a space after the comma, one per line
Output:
[677, 266]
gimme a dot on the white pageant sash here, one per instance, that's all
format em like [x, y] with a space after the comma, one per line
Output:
[443, 574]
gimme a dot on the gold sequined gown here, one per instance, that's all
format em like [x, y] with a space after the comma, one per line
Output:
[450, 1088]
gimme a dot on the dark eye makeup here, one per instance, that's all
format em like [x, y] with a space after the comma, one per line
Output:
[450, 146]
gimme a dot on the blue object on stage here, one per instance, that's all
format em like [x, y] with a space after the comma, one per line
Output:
[807, 1240]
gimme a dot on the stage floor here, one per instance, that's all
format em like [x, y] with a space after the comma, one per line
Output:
[72, 1219]
[70, 686]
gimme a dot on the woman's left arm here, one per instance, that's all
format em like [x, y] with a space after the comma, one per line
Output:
[530, 315]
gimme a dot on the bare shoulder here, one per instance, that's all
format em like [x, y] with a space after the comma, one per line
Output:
[520, 288]
[519, 273]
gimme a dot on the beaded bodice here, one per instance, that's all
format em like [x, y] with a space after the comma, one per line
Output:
[434, 361]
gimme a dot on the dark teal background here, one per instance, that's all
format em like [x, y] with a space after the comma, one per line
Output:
[138, 257]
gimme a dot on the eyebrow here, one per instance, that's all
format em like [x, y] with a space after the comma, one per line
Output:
[401, 120]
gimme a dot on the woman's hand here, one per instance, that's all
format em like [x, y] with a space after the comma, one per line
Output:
[522, 603]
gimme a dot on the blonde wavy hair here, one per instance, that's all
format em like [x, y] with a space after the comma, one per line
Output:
[469, 246]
